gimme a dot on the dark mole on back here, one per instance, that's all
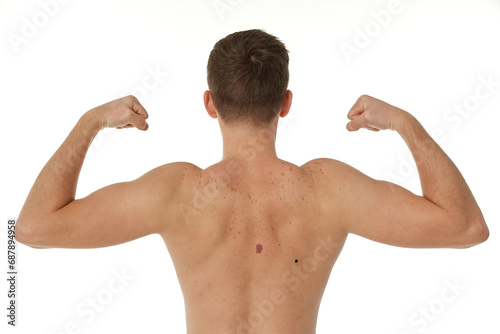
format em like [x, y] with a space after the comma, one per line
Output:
[258, 249]
[296, 260]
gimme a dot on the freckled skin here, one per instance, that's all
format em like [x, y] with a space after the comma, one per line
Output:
[275, 204]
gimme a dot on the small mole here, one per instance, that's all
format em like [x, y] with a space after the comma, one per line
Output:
[296, 260]
[258, 249]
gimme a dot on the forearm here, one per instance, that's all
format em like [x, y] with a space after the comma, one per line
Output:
[441, 181]
[56, 184]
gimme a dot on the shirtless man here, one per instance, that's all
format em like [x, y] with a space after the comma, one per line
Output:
[253, 238]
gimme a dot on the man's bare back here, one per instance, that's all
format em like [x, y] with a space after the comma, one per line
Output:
[253, 238]
[256, 250]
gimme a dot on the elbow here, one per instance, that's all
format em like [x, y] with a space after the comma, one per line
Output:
[481, 233]
[476, 233]
[26, 234]
[20, 232]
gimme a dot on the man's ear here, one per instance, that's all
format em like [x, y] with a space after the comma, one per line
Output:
[209, 104]
[287, 103]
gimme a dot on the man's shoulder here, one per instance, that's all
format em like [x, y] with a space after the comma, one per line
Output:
[171, 174]
[328, 172]
[324, 165]
[176, 168]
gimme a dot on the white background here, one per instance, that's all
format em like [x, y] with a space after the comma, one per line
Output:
[425, 58]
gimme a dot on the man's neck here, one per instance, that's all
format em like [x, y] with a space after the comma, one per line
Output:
[248, 143]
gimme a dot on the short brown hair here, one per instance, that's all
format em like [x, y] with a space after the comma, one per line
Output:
[248, 76]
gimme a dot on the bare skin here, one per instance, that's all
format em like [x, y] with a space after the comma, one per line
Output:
[253, 238]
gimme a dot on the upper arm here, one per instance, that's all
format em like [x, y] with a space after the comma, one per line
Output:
[112, 215]
[385, 212]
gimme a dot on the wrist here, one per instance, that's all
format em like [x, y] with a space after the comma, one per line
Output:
[92, 120]
[401, 120]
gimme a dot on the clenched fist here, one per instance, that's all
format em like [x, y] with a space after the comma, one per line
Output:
[373, 114]
[125, 112]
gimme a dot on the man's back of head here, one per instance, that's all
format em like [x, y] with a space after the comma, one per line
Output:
[248, 77]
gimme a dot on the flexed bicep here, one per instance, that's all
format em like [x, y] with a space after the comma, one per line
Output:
[387, 213]
[109, 216]
[446, 215]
